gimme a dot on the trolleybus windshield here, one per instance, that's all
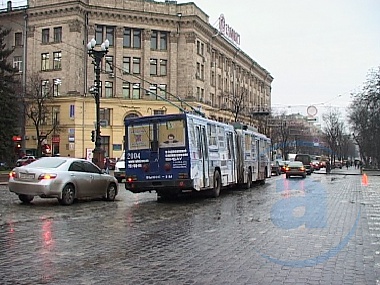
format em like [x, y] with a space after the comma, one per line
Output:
[165, 134]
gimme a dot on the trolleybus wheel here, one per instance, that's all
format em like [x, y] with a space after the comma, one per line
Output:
[215, 192]
[248, 185]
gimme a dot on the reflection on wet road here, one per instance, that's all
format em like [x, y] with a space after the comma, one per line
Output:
[284, 230]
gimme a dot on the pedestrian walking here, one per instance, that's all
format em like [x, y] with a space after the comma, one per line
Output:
[347, 164]
[328, 166]
[107, 165]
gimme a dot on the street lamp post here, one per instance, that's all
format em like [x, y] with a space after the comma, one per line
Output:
[97, 55]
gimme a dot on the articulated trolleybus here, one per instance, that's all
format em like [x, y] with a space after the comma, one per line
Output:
[179, 153]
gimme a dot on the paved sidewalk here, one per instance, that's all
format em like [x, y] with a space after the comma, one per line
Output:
[343, 171]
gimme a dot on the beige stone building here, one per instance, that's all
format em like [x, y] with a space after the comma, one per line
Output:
[159, 52]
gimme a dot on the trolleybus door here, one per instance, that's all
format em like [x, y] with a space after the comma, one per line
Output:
[203, 155]
[231, 156]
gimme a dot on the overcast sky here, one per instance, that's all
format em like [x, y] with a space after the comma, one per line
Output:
[318, 51]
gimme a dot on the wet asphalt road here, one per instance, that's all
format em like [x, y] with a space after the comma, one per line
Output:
[321, 230]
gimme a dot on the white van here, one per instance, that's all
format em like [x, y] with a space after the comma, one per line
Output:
[119, 171]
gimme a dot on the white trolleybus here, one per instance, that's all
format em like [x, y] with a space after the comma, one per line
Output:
[179, 153]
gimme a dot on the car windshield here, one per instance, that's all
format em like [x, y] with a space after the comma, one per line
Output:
[47, 162]
[295, 164]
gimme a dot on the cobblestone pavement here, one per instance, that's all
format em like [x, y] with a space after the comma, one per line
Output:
[324, 229]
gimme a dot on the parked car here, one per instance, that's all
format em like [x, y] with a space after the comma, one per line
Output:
[315, 164]
[25, 160]
[306, 161]
[295, 168]
[337, 164]
[63, 178]
[283, 165]
[276, 168]
[119, 172]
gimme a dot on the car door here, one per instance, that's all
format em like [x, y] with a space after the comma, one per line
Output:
[80, 178]
[98, 180]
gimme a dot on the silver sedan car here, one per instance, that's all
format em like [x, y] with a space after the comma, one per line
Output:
[63, 178]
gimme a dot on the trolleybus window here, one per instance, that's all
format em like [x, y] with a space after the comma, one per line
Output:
[140, 137]
[171, 133]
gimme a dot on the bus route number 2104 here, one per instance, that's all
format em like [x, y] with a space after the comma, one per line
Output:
[133, 155]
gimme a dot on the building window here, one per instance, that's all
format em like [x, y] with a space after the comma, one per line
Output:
[136, 38]
[163, 67]
[136, 91]
[105, 116]
[56, 86]
[57, 56]
[162, 91]
[136, 41]
[127, 38]
[105, 143]
[45, 36]
[45, 61]
[18, 39]
[108, 89]
[72, 111]
[202, 71]
[198, 72]
[153, 89]
[126, 65]
[136, 65]
[160, 38]
[17, 63]
[110, 35]
[58, 34]
[200, 48]
[109, 64]
[212, 79]
[45, 87]
[153, 66]
[99, 34]
[163, 40]
[153, 40]
[126, 90]
[55, 118]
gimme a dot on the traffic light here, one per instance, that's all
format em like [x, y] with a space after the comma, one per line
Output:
[93, 136]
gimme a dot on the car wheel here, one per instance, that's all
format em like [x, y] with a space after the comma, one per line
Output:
[215, 192]
[111, 192]
[287, 176]
[25, 198]
[68, 195]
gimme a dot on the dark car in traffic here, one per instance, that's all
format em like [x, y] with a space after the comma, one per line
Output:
[295, 168]
[306, 161]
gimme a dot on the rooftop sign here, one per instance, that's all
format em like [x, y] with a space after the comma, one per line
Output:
[228, 31]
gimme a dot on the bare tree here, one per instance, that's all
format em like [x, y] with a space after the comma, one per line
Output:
[334, 130]
[364, 115]
[236, 104]
[38, 109]
[280, 134]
